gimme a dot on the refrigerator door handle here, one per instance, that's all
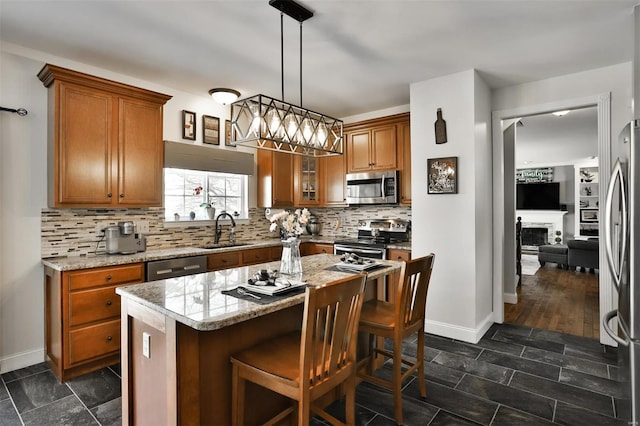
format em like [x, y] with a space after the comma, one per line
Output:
[605, 324]
[616, 175]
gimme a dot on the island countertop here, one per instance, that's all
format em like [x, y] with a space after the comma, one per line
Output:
[197, 300]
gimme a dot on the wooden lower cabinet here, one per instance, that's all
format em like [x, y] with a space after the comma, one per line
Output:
[82, 317]
[308, 248]
[218, 261]
[257, 255]
[233, 259]
[398, 254]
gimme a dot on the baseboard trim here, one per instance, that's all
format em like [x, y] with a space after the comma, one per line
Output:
[511, 298]
[465, 334]
[21, 360]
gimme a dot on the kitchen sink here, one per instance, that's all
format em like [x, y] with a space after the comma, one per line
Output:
[223, 245]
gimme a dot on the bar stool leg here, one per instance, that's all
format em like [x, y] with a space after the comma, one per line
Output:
[397, 379]
[420, 360]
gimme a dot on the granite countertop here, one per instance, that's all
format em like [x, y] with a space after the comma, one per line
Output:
[101, 260]
[197, 300]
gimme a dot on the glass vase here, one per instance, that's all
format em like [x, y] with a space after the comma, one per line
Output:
[291, 264]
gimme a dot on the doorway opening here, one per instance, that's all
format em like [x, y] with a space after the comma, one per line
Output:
[505, 211]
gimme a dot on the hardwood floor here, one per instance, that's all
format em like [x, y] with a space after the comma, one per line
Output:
[558, 300]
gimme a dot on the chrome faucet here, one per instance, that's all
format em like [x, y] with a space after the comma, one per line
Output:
[219, 227]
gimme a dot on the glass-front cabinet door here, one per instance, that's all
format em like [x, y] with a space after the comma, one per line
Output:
[307, 181]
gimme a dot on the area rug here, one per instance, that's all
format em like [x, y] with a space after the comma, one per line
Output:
[530, 264]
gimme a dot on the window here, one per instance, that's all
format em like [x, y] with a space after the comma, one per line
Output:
[185, 191]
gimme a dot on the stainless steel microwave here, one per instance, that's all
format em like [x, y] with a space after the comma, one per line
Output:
[373, 187]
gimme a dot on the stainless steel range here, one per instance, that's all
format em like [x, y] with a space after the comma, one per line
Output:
[374, 235]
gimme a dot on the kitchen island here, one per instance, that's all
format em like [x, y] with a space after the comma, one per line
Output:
[178, 335]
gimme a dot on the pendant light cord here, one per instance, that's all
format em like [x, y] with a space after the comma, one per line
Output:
[282, 57]
[300, 64]
[282, 54]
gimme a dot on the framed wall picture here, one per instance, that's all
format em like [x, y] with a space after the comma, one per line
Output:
[228, 134]
[442, 175]
[188, 125]
[589, 215]
[210, 130]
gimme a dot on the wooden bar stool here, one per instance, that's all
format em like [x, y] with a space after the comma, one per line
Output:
[397, 321]
[323, 353]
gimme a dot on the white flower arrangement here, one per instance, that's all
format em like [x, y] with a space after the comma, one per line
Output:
[292, 224]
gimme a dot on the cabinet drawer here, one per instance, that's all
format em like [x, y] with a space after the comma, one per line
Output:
[93, 305]
[323, 249]
[223, 261]
[94, 341]
[78, 280]
[399, 255]
[275, 253]
[260, 255]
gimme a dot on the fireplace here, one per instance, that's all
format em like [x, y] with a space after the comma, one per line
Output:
[539, 227]
[534, 236]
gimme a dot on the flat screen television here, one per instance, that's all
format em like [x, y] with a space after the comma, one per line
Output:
[538, 196]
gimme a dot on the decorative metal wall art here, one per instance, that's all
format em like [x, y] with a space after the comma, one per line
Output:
[442, 175]
[440, 127]
[543, 174]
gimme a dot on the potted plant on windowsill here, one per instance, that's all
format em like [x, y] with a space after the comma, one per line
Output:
[208, 208]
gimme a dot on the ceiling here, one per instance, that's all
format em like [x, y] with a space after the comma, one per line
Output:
[358, 56]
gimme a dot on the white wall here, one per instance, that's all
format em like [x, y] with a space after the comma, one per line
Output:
[23, 154]
[23, 168]
[456, 227]
[615, 79]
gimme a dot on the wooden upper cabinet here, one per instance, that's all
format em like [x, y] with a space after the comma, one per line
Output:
[335, 187]
[84, 149]
[275, 179]
[140, 156]
[104, 140]
[372, 149]
[404, 161]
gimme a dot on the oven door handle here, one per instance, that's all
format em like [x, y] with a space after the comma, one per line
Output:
[357, 250]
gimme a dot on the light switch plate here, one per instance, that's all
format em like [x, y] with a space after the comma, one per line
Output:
[146, 344]
[142, 226]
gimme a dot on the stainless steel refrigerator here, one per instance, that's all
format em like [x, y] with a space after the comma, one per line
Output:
[622, 241]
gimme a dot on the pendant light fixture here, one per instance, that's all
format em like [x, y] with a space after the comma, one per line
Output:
[266, 123]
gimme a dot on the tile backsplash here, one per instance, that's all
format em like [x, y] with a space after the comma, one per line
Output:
[79, 232]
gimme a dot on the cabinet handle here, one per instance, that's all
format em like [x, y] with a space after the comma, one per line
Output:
[108, 277]
[109, 338]
[109, 195]
[121, 195]
[109, 303]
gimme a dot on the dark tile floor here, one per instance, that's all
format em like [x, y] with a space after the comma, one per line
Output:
[513, 376]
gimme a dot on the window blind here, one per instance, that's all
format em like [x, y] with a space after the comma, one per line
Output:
[199, 157]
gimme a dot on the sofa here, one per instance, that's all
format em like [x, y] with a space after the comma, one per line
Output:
[583, 254]
[554, 253]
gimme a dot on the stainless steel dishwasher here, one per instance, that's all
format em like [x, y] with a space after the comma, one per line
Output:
[177, 267]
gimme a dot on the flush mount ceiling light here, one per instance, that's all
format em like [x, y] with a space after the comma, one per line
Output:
[223, 95]
[561, 113]
[267, 123]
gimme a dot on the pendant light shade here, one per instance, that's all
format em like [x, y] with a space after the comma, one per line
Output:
[266, 123]
[224, 96]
